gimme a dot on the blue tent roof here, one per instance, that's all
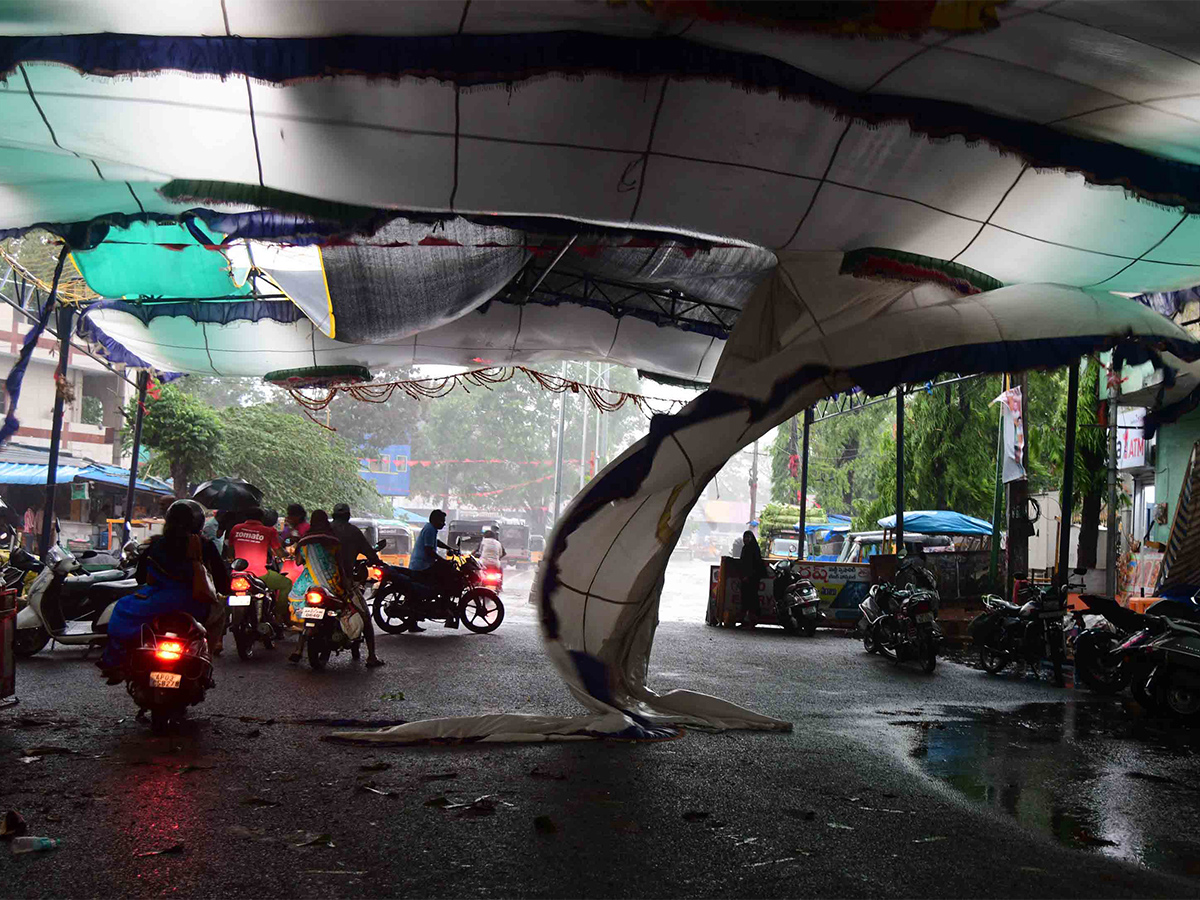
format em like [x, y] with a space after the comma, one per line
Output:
[938, 521]
[35, 473]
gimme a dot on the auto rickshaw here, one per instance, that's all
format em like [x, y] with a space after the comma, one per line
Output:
[537, 548]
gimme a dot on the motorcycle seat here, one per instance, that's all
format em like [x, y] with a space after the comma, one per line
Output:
[82, 581]
[179, 623]
[1004, 605]
[107, 591]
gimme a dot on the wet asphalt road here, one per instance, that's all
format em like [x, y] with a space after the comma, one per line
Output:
[892, 783]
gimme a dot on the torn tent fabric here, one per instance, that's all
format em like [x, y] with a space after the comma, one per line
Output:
[806, 334]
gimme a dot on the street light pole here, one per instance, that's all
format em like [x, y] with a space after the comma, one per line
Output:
[808, 417]
[899, 470]
[143, 381]
[1110, 562]
[1067, 498]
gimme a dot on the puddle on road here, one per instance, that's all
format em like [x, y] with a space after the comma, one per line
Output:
[1091, 775]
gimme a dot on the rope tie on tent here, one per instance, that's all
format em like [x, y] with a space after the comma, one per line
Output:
[16, 374]
[603, 399]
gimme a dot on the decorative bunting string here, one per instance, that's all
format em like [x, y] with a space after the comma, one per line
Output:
[604, 399]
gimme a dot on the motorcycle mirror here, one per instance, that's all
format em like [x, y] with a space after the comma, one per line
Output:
[379, 545]
[1082, 570]
[240, 565]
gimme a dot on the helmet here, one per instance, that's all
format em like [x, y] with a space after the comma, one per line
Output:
[186, 514]
[341, 511]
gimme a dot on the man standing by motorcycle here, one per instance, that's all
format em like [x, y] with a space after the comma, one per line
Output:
[425, 563]
[351, 544]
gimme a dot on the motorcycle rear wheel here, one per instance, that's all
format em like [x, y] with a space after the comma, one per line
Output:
[481, 610]
[28, 641]
[1090, 669]
[929, 658]
[992, 660]
[1181, 701]
[243, 639]
[382, 614]
[318, 653]
[810, 629]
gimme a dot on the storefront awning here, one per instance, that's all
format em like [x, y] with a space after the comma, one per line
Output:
[34, 473]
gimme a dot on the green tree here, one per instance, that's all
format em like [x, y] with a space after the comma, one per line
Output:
[184, 432]
[292, 460]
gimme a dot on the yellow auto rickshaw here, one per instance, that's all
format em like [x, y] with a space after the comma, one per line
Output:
[537, 548]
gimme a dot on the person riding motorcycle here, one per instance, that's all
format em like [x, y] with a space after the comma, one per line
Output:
[425, 564]
[257, 542]
[165, 573]
[353, 543]
[319, 554]
[490, 549]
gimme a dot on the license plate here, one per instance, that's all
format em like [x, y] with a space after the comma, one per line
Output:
[922, 618]
[239, 599]
[165, 679]
[312, 612]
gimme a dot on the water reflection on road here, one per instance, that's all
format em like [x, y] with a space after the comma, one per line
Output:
[1094, 775]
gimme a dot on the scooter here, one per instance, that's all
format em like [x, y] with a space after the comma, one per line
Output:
[797, 604]
[60, 598]
[331, 624]
[901, 623]
[1163, 661]
[170, 670]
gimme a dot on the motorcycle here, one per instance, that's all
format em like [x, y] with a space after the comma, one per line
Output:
[61, 598]
[251, 611]
[331, 624]
[170, 670]
[493, 576]
[403, 599]
[797, 604]
[1029, 632]
[1163, 663]
[901, 624]
[1102, 650]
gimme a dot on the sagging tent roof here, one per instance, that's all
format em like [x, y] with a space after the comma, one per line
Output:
[745, 132]
[30, 465]
[938, 521]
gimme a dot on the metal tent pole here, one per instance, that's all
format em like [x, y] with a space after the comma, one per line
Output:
[899, 469]
[143, 380]
[587, 374]
[1110, 562]
[808, 417]
[1067, 498]
[998, 499]
[604, 426]
[558, 459]
[754, 484]
[66, 315]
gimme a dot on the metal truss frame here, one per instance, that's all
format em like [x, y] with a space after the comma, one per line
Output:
[853, 401]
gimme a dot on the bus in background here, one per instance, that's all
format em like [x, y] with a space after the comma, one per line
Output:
[514, 536]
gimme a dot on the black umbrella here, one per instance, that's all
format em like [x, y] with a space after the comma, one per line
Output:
[227, 494]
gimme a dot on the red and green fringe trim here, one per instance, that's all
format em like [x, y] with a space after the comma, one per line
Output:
[896, 265]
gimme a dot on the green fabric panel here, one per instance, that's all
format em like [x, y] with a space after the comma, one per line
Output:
[149, 260]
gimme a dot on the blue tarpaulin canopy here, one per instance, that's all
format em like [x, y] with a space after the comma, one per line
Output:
[35, 473]
[938, 521]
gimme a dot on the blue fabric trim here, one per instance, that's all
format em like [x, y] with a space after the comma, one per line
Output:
[212, 312]
[471, 60]
[16, 375]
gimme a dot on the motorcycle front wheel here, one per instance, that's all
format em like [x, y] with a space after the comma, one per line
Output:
[885, 640]
[385, 614]
[1092, 668]
[28, 641]
[481, 610]
[1182, 701]
[869, 642]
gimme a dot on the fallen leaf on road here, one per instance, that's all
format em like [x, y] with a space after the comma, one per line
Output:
[183, 770]
[374, 767]
[51, 750]
[480, 807]
[768, 862]
[392, 695]
[28, 759]
[174, 848]
[547, 776]
[12, 826]
[839, 825]
[439, 776]
[1086, 837]
[930, 839]
[314, 840]
[372, 790]
[544, 825]
[260, 801]
[695, 815]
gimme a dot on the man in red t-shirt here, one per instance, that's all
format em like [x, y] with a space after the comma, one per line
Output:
[255, 542]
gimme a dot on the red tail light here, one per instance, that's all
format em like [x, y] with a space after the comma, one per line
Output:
[374, 573]
[240, 584]
[314, 598]
[169, 650]
[492, 575]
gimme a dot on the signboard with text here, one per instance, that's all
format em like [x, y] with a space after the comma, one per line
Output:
[389, 470]
[1131, 439]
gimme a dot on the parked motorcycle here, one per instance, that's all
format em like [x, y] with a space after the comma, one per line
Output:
[1102, 651]
[170, 670]
[251, 611]
[797, 604]
[403, 599]
[1030, 631]
[901, 624]
[61, 599]
[1163, 663]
